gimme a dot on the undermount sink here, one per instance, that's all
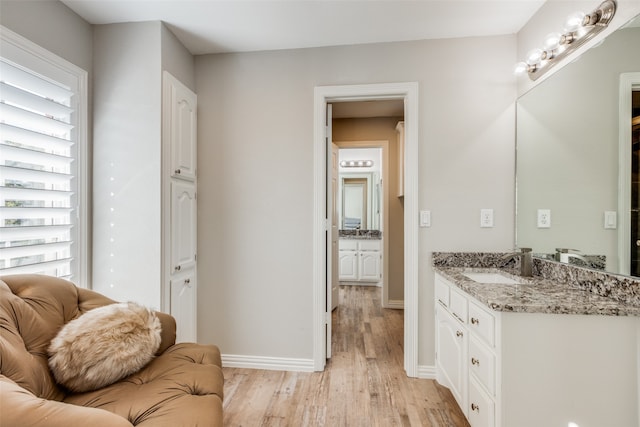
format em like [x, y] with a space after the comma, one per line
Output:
[494, 277]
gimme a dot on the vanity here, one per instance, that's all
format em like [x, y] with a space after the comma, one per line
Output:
[360, 259]
[537, 351]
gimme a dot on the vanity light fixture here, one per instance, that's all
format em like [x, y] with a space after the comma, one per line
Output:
[356, 163]
[578, 29]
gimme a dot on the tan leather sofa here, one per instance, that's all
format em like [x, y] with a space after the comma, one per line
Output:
[182, 386]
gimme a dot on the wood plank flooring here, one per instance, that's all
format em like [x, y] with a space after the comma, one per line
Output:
[364, 383]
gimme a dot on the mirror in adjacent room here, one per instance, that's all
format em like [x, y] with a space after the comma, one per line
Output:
[359, 188]
[568, 136]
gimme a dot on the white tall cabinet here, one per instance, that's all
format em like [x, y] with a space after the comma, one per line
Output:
[179, 134]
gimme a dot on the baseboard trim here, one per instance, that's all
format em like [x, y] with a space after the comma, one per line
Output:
[396, 303]
[427, 372]
[268, 363]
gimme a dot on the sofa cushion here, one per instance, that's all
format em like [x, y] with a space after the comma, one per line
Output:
[104, 345]
[181, 387]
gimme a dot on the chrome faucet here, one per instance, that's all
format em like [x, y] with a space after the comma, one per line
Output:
[526, 261]
[564, 254]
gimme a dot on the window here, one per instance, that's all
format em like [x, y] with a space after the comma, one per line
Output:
[43, 110]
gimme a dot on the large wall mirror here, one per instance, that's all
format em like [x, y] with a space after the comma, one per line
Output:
[568, 176]
[359, 190]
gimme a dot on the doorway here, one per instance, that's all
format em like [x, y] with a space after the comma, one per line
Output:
[324, 95]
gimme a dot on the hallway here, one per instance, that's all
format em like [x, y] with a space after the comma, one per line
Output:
[364, 383]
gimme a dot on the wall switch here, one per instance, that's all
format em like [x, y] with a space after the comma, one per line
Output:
[425, 218]
[544, 218]
[486, 218]
[610, 220]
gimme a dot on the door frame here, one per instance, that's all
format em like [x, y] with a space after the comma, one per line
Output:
[628, 82]
[368, 92]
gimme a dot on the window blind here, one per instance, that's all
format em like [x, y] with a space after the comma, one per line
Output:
[38, 183]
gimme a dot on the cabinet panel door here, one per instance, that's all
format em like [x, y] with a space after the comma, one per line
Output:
[183, 305]
[451, 355]
[183, 226]
[182, 123]
[481, 410]
[348, 265]
[369, 266]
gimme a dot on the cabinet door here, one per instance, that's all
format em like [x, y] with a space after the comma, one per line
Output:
[481, 410]
[183, 226]
[451, 355]
[348, 265]
[369, 266]
[183, 305]
[182, 123]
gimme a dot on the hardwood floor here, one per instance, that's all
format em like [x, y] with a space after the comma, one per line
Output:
[364, 383]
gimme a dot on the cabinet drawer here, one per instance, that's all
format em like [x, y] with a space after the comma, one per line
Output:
[369, 245]
[442, 292]
[481, 408]
[482, 364]
[482, 323]
[348, 245]
[458, 305]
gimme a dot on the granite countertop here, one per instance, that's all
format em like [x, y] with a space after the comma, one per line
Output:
[360, 234]
[538, 296]
[361, 237]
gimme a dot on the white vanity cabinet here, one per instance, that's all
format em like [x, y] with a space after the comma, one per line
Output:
[536, 369]
[360, 260]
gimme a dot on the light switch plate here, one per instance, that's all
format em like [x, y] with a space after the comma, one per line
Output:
[544, 218]
[486, 218]
[610, 220]
[425, 218]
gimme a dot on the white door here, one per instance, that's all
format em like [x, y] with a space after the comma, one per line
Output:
[183, 301]
[369, 266]
[183, 226]
[335, 238]
[183, 130]
[330, 199]
[348, 261]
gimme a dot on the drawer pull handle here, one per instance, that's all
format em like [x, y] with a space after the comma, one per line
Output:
[475, 361]
[459, 333]
[475, 321]
[178, 171]
[177, 268]
[475, 407]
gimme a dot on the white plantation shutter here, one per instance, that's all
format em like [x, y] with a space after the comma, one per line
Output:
[41, 132]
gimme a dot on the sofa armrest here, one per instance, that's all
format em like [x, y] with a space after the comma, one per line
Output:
[168, 336]
[21, 408]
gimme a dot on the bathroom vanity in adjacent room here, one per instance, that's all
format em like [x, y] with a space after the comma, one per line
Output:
[360, 260]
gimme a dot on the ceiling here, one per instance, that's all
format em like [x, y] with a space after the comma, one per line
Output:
[216, 26]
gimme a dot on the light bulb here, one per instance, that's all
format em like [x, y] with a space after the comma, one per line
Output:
[535, 56]
[552, 41]
[520, 68]
[574, 22]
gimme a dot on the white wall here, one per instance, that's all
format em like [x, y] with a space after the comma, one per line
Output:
[127, 93]
[129, 60]
[53, 26]
[256, 176]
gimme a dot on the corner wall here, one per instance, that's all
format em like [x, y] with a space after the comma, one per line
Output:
[255, 214]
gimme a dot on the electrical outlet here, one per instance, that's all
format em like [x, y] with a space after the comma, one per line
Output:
[486, 218]
[544, 218]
